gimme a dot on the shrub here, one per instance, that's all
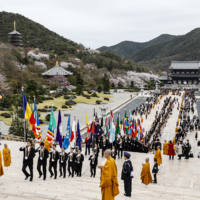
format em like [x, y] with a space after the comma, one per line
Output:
[41, 121]
[45, 106]
[7, 115]
[3, 114]
[66, 97]
[106, 98]
[94, 94]
[64, 106]
[53, 86]
[74, 90]
[98, 102]
[49, 98]
[87, 96]
[67, 103]
[47, 117]
[89, 92]
[42, 97]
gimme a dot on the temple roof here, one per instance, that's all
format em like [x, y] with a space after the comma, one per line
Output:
[162, 78]
[185, 65]
[14, 33]
[57, 71]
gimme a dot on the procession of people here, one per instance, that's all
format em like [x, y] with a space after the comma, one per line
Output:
[122, 147]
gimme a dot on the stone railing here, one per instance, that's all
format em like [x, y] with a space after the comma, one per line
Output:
[12, 138]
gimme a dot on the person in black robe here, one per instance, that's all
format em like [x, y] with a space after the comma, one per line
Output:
[79, 161]
[93, 164]
[127, 174]
[42, 160]
[113, 152]
[71, 162]
[54, 156]
[29, 154]
[63, 162]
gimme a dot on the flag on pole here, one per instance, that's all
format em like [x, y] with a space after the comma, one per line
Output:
[126, 123]
[52, 126]
[112, 133]
[122, 129]
[72, 138]
[117, 126]
[37, 124]
[130, 124]
[78, 140]
[88, 138]
[59, 130]
[27, 114]
[68, 135]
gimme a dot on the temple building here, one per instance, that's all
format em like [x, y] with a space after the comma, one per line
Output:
[182, 72]
[15, 37]
[57, 75]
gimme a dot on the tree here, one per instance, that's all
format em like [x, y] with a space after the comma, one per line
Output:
[112, 85]
[132, 84]
[31, 86]
[119, 85]
[53, 86]
[106, 85]
[79, 84]
[99, 88]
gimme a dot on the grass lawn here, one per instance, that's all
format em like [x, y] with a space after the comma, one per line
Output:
[7, 121]
[81, 99]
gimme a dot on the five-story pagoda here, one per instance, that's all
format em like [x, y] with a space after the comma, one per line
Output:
[15, 37]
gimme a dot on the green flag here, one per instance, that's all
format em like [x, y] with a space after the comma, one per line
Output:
[117, 126]
[52, 121]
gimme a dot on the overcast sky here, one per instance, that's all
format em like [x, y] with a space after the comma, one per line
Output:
[97, 23]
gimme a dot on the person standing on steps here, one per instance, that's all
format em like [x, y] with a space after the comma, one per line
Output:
[54, 156]
[79, 162]
[146, 173]
[42, 160]
[6, 156]
[155, 170]
[158, 156]
[29, 154]
[171, 152]
[127, 174]
[109, 183]
[93, 164]
[1, 166]
[179, 150]
[63, 162]
[71, 162]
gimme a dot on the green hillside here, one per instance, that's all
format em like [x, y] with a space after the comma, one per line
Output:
[128, 47]
[159, 56]
[33, 34]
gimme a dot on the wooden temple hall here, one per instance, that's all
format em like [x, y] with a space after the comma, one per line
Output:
[182, 72]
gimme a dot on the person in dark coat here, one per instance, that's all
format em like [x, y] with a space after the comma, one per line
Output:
[63, 162]
[120, 146]
[29, 154]
[155, 170]
[87, 149]
[127, 174]
[79, 162]
[42, 160]
[114, 152]
[93, 164]
[71, 162]
[54, 156]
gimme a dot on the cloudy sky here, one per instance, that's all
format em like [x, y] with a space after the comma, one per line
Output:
[97, 23]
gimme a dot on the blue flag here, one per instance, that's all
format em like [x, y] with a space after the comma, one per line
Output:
[59, 130]
[68, 135]
[78, 140]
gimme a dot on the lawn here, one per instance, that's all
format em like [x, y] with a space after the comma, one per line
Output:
[81, 99]
[7, 121]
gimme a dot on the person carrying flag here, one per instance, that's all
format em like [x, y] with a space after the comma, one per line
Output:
[62, 162]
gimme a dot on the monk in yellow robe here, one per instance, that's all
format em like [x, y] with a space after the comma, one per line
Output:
[109, 183]
[146, 173]
[47, 145]
[158, 156]
[174, 141]
[1, 165]
[6, 156]
[165, 148]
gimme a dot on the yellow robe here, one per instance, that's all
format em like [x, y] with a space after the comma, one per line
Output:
[174, 141]
[47, 145]
[1, 165]
[109, 183]
[165, 148]
[158, 156]
[6, 157]
[146, 174]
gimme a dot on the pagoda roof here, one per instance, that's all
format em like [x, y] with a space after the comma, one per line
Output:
[14, 33]
[57, 71]
[185, 65]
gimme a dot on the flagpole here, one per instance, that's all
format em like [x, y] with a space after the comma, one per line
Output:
[69, 134]
[75, 133]
[24, 125]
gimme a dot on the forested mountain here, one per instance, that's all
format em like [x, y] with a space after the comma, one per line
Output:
[159, 56]
[33, 34]
[128, 47]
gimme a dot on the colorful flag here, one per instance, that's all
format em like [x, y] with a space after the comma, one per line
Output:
[130, 124]
[112, 132]
[52, 126]
[122, 129]
[37, 124]
[126, 123]
[59, 130]
[117, 126]
[68, 135]
[78, 140]
[73, 134]
[88, 138]
[27, 114]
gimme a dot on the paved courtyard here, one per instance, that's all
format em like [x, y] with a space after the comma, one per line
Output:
[176, 179]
